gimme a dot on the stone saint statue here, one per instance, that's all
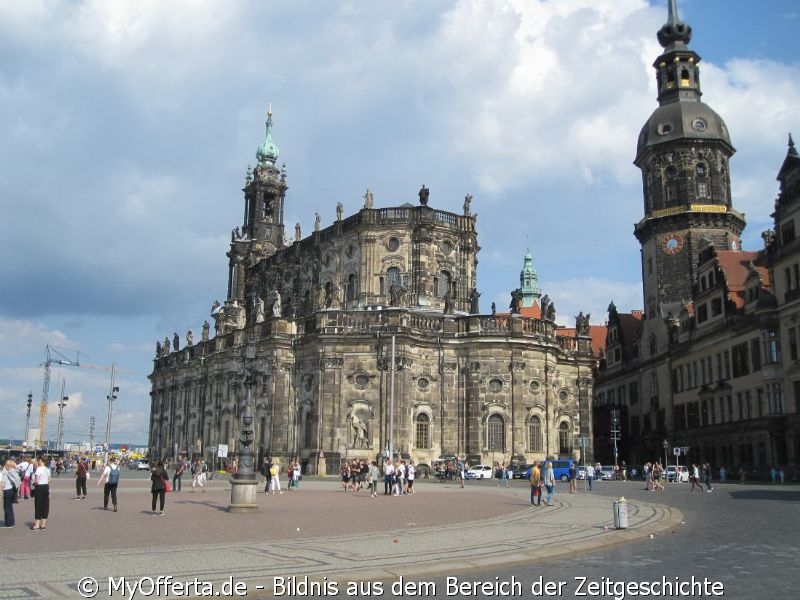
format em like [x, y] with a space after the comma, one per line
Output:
[204, 334]
[339, 211]
[494, 309]
[297, 234]
[175, 341]
[424, 193]
[360, 433]
[551, 312]
[467, 204]
[321, 297]
[545, 304]
[582, 324]
[317, 222]
[368, 199]
[395, 294]
[276, 305]
[158, 349]
[474, 308]
[516, 301]
[189, 339]
[259, 310]
[166, 345]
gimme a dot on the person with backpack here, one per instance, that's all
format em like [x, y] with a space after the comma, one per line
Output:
[110, 478]
[11, 484]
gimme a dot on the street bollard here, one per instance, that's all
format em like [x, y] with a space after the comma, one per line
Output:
[620, 510]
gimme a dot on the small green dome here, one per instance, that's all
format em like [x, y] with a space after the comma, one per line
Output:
[267, 152]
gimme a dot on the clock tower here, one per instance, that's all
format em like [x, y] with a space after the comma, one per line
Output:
[683, 152]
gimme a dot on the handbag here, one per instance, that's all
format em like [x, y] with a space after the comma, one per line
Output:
[167, 487]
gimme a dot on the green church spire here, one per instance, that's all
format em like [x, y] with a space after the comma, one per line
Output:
[267, 152]
[528, 282]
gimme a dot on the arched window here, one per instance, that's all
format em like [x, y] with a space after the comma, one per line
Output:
[495, 433]
[535, 434]
[564, 439]
[392, 276]
[422, 439]
[444, 283]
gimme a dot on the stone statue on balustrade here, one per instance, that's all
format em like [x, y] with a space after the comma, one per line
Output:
[259, 309]
[516, 301]
[298, 234]
[395, 294]
[467, 204]
[189, 338]
[369, 199]
[474, 307]
[321, 298]
[424, 194]
[158, 349]
[339, 211]
[276, 305]
[448, 304]
[317, 222]
[494, 309]
[166, 345]
[545, 306]
[582, 324]
[551, 312]
[176, 341]
[204, 334]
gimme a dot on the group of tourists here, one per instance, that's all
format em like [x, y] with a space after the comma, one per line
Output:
[28, 479]
[272, 474]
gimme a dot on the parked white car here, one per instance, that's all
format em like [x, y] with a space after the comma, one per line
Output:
[679, 473]
[480, 472]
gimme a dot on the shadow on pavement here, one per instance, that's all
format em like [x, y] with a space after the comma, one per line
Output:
[784, 496]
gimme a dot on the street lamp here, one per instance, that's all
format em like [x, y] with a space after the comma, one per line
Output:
[665, 445]
[112, 395]
[28, 417]
[91, 435]
[243, 482]
[61, 406]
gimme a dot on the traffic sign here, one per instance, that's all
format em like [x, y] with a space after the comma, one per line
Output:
[676, 451]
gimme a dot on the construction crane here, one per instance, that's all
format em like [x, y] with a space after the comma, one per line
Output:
[55, 356]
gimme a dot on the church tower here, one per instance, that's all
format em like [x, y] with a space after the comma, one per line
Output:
[683, 152]
[262, 231]
[529, 283]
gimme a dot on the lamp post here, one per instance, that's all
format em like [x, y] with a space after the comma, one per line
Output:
[112, 395]
[665, 445]
[28, 417]
[391, 404]
[91, 435]
[243, 482]
[61, 406]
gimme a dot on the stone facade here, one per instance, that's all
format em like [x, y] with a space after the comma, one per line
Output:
[309, 328]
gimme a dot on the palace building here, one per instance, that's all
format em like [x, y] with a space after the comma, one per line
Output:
[710, 365]
[366, 337]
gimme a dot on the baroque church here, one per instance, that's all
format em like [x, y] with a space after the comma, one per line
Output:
[365, 339]
[711, 366]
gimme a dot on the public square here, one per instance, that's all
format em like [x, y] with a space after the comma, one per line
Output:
[736, 535]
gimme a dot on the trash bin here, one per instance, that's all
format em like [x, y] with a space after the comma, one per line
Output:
[620, 510]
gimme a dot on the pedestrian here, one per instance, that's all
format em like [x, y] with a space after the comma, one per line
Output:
[388, 477]
[656, 472]
[290, 475]
[180, 469]
[573, 478]
[345, 477]
[158, 487]
[723, 473]
[374, 475]
[461, 467]
[773, 474]
[274, 481]
[707, 474]
[11, 485]
[589, 475]
[536, 484]
[624, 471]
[781, 475]
[200, 478]
[411, 474]
[695, 478]
[110, 480]
[81, 475]
[549, 480]
[25, 469]
[41, 495]
[298, 473]
[503, 476]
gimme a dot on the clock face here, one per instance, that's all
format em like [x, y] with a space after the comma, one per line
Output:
[672, 243]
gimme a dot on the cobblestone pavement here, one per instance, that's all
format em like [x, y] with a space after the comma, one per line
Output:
[316, 532]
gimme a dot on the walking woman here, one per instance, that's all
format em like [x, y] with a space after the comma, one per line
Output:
[81, 475]
[158, 487]
[11, 484]
[41, 495]
[549, 480]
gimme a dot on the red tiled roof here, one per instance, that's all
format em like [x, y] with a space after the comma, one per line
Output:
[630, 325]
[736, 267]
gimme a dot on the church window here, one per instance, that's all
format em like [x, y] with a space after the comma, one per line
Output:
[535, 434]
[564, 439]
[392, 276]
[393, 244]
[422, 439]
[495, 433]
[702, 190]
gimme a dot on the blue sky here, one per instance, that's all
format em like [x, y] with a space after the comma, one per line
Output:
[127, 128]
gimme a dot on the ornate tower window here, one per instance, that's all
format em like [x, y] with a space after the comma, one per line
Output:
[393, 276]
[422, 439]
[495, 433]
[564, 439]
[535, 434]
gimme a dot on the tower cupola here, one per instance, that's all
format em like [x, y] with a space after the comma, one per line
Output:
[267, 152]
[529, 282]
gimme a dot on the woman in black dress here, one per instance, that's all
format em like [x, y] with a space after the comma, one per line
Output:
[158, 487]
